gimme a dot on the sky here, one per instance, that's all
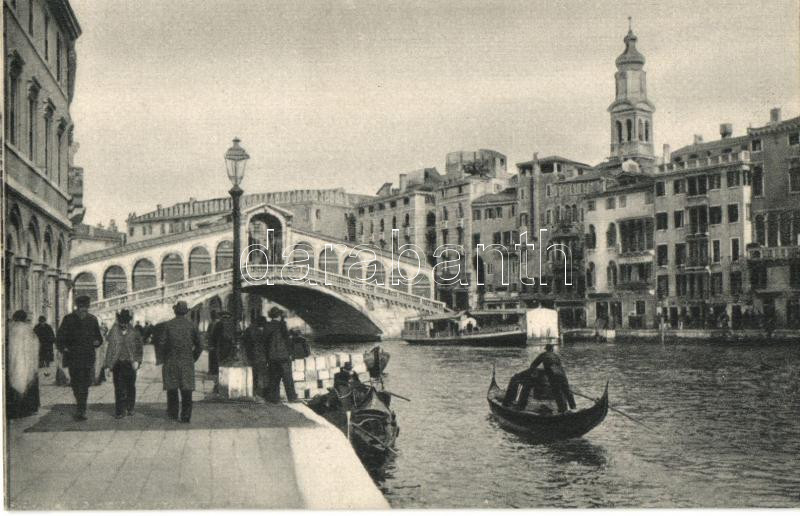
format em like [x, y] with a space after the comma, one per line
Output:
[350, 94]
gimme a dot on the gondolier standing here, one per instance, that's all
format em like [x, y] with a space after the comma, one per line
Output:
[556, 376]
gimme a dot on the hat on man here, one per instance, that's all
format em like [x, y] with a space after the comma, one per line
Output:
[275, 312]
[83, 301]
[181, 308]
[124, 316]
[348, 366]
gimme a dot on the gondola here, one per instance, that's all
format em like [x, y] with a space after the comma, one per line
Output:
[370, 360]
[372, 425]
[550, 427]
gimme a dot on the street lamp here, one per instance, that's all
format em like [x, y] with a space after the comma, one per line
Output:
[235, 163]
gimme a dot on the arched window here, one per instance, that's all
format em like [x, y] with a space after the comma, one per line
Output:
[611, 235]
[114, 282]
[591, 238]
[352, 268]
[303, 255]
[590, 275]
[619, 131]
[629, 125]
[172, 268]
[523, 220]
[376, 273]
[444, 213]
[611, 274]
[758, 181]
[558, 213]
[199, 262]
[329, 261]
[460, 211]
[144, 275]
[641, 131]
[85, 285]
[407, 220]
[381, 225]
[646, 131]
[394, 221]
[224, 256]
[421, 286]
[761, 233]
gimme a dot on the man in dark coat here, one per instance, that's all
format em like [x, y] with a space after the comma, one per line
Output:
[78, 336]
[279, 357]
[255, 345]
[213, 351]
[181, 346]
[556, 376]
[46, 339]
[223, 337]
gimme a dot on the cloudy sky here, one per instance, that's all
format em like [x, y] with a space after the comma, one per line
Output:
[350, 94]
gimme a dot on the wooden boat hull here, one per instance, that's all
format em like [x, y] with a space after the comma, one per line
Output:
[504, 339]
[541, 428]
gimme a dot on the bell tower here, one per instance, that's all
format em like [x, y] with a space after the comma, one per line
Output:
[631, 112]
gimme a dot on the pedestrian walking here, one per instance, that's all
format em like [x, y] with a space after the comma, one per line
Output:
[279, 357]
[181, 347]
[124, 354]
[22, 357]
[46, 340]
[255, 343]
[78, 338]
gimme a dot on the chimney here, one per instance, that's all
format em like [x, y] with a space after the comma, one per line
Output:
[403, 182]
[158, 207]
[774, 115]
[698, 138]
[725, 130]
[667, 154]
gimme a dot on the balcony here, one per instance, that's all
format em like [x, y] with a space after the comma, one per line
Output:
[698, 262]
[697, 199]
[633, 286]
[774, 254]
[697, 232]
[636, 256]
[461, 222]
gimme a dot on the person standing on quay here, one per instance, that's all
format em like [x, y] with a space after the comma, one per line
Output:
[180, 345]
[22, 382]
[255, 340]
[213, 351]
[46, 339]
[279, 358]
[78, 337]
[123, 356]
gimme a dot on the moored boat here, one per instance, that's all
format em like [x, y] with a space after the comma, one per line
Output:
[546, 425]
[370, 358]
[506, 328]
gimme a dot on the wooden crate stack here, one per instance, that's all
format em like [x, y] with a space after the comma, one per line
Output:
[313, 375]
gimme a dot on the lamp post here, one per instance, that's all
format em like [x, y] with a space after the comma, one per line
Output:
[235, 163]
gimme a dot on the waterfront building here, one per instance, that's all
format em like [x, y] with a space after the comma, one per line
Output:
[495, 225]
[774, 256]
[618, 250]
[409, 208]
[43, 190]
[86, 238]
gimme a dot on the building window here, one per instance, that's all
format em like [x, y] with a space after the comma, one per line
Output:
[794, 139]
[678, 186]
[513, 210]
[12, 107]
[678, 218]
[611, 203]
[736, 282]
[661, 220]
[715, 215]
[476, 214]
[590, 205]
[758, 181]
[660, 190]
[547, 217]
[548, 191]
[59, 50]
[715, 251]
[794, 180]
[499, 212]
[623, 201]
[734, 249]
[755, 146]
[60, 152]
[48, 136]
[647, 130]
[716, 284]
[733, 213]
[641, 131]
[619, 131]
[611, 235]
[46, 38]
[714, 181]
[734, 178]
[629, 127]
[663, 286]
[497, 238]
[33, 98]
[680, 255]
[30, 17]
[680, 284]
[445, 214]
[662, 255]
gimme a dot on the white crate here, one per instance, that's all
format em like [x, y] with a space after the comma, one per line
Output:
[298, 365]
[356, 358]
[360, 368]
[341, 358]
[324, 374]
[298, 376]
[311, 375]
[331, 360]
[321, 363]
[309, 363]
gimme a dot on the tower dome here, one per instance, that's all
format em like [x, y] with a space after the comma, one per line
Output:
[630, 56]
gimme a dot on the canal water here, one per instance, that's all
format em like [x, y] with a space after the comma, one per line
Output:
[725, 429]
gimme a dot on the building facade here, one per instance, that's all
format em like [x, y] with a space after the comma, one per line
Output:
[43, 191]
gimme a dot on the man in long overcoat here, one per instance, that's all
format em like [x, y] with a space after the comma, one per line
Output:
[78, 337]
[181, 346]
[255, 344]
[279, 357]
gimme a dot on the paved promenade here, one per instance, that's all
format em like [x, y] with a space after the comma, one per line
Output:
[232, 455]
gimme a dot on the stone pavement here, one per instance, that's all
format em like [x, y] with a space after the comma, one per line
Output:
[232, 455]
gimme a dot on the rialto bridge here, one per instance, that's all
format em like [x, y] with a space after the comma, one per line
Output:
[339, 290]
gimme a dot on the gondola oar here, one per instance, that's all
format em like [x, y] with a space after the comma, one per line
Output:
[396, 395]
[615, 410]
[375, 438]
